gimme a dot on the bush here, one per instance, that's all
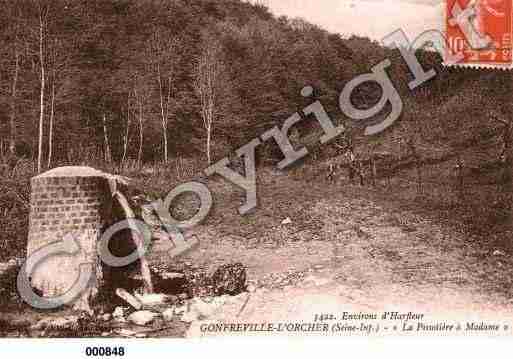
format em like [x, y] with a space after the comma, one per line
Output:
[14, 208]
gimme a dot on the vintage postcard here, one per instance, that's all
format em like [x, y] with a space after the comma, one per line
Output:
[213, 169]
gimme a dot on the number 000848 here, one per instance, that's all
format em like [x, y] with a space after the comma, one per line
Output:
[104, 351]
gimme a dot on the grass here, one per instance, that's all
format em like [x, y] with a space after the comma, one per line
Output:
[155, 180]
[14, 208]
[477, 211]
[321, 211]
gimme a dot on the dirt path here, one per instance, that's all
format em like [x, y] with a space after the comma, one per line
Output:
[344, 250]
[361, 256]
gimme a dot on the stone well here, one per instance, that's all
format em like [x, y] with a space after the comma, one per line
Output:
[68, 200]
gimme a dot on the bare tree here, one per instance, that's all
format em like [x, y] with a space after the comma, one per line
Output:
[163, 58]
[207, 76]
[126, 136]
[140, 92]
[53, 64]
[506, 154]
[506, 181]
[43, 23]
[52, 116]
[12, 118]
[106, 152]
[59, 67]
[141, 130]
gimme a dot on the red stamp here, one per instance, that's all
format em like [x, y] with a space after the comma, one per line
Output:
[480, 30]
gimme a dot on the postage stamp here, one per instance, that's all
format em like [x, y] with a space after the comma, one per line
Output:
[480, 30]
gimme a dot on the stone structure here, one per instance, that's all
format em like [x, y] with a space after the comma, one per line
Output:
[68, 200]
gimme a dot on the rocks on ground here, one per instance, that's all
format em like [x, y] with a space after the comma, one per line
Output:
[119, 312]
[196, 297]
[229, 279]
[150, 300]
[317, 280]
[161, 311]
[142, 317]
[67, 322]
[168, 315]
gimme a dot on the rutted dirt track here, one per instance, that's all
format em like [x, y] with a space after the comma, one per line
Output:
[343, 252]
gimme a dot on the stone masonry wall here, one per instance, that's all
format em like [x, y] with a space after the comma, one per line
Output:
[61, 206]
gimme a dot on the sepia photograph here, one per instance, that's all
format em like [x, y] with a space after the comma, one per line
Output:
[184, 169]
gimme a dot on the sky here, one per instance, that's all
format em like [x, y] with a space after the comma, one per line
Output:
[372, 18]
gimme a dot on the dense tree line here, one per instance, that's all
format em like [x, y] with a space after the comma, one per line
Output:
[146, 80]
[125, 79]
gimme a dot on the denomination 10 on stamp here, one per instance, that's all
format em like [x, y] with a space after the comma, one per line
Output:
[481, 31]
